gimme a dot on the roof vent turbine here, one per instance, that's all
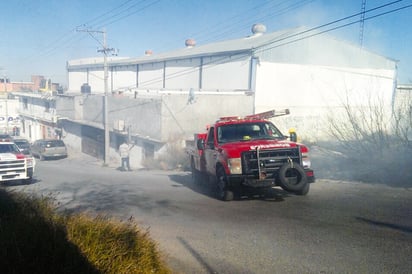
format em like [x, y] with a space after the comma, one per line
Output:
[258, 29]
[190, 43]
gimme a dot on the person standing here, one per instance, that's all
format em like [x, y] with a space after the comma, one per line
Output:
[124, 151]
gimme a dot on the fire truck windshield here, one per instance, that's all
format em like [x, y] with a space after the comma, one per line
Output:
[247, 131]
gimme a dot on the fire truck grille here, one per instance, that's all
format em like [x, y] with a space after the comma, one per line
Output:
[268, 160]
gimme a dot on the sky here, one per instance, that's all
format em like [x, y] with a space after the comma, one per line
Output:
[39, 37]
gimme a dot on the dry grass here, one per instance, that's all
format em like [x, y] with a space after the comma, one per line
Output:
[35, 239]
[341, 162]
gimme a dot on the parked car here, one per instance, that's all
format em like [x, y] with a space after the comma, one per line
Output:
[49, 148]
[23, 145]
[5, 138]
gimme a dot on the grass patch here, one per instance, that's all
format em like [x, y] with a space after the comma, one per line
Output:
[35, 239]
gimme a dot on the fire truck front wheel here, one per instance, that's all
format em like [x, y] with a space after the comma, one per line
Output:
[292, 178]
[224, 193]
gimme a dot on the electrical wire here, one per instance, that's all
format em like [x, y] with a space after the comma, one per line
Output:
[71, 37]
[232, 24]
[265, 47]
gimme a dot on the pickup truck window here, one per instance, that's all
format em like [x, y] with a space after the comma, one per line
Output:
[248, 131]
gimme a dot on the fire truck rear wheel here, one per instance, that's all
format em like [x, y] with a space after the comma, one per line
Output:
[292, 177]
[223, 191]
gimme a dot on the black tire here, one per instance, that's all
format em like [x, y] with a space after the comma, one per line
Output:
[223, 191]
[304, 191]
[292, 177]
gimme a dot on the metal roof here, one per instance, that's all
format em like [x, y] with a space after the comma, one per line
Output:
[242, 45]
[296, 45]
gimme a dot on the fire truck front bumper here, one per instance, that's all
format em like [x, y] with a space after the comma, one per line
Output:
[266, 180]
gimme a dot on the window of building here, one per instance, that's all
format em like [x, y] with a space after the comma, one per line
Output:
[25, 103]
[47, 106]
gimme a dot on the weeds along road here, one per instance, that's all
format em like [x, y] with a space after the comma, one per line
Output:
[340, 227]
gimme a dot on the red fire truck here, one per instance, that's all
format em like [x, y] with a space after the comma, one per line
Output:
[245, 153]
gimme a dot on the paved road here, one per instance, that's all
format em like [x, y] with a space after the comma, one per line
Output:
[340, 227]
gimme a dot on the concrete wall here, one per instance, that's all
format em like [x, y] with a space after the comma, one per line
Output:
[226, 73]
[319, 94]
[181, 118]
[67, 108]
[182, 74]
[161, 116]
[403, 112]
[71, 136]
[206, 73]
[140, 115]
[92, 109]
[122, 78]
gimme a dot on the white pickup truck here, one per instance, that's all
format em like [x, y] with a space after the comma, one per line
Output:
[14, 165]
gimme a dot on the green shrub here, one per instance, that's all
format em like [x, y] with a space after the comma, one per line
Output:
[35, 239]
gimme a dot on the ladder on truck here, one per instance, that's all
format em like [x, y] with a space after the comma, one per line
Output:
[262, 115]
[269, 114]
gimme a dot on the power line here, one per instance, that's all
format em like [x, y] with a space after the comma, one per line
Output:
[70, 37]
[333, 22]
[130, 12]
[282, 9]
[338, 27]
[265, 47]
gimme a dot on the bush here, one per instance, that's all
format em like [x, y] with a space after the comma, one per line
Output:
[35, 239]
[114, 247]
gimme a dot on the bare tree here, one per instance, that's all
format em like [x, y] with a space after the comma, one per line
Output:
[361, 128]
[402, 116]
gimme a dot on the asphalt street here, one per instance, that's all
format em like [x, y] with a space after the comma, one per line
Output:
[340, 227]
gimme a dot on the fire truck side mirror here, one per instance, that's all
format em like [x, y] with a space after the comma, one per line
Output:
[200, 144]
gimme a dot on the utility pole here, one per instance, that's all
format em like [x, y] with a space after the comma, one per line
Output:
[5, 101]
[105, 51]
[362, 22]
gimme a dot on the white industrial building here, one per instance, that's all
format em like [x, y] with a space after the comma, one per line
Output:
[312, 75]
[157, 99]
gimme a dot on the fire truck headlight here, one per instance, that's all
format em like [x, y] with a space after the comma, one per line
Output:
[235, 166]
